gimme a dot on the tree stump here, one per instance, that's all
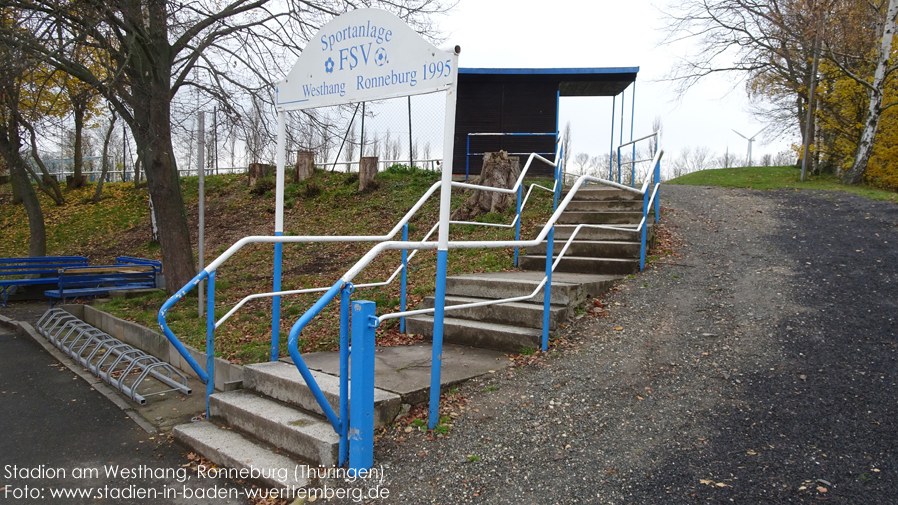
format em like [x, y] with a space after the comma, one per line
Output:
[304, 165]
[367, 172]
[499, 171]
[257, 171]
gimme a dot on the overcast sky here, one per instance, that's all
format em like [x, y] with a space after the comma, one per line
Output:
[603, 33]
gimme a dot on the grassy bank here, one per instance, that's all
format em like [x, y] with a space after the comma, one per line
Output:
[327, 204]
[777, 177]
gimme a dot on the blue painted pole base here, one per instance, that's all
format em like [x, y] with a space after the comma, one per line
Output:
[361, 409]
[437, 356]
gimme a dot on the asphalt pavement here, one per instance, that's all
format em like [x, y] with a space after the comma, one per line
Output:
[64, 442]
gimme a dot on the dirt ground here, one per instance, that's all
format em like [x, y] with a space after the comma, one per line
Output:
[758, 366]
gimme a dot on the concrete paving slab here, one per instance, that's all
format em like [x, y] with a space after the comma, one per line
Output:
[405, 370]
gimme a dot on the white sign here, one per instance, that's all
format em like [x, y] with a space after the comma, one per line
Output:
[365, 54]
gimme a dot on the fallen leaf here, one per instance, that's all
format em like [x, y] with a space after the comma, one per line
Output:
[721, 484]
[618, 328]
[821, 489]
[706, 481]
[752, 453]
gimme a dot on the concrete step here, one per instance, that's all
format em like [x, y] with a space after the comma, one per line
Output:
[590, 248]
[309, 437]
[567, 289]
[611, 217]
[528, 313]
[591, 192]
[579, 264]
[230, 449]
[603, 205]
[563, 231]
[405, 369]
[500, 337]
[283, 382]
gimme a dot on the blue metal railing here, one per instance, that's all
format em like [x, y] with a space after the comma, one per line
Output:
[344, 287]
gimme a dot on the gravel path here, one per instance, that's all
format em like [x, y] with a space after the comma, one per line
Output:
[759, 366]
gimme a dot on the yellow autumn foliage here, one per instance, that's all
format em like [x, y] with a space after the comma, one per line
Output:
[841, 119]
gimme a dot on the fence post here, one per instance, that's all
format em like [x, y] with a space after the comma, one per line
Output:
[404, 279]
[361, 410]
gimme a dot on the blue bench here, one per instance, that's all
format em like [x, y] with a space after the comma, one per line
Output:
[33, 271]
[129, 260]
[90, 282]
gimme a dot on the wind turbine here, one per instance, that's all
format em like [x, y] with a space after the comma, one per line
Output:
[750, 141]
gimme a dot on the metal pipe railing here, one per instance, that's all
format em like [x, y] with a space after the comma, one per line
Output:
[344, 285]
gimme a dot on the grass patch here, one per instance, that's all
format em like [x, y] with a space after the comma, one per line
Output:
[322, 205]
[777, 177]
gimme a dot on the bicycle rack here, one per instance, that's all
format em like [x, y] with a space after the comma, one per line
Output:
[119, 364]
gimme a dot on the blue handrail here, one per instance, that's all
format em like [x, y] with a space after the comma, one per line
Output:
[345, 287]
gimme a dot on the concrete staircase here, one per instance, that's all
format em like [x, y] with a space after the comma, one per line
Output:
[596, 258]
[274, 422]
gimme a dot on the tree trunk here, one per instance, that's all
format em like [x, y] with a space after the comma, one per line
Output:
[104, 163]
[499, 171]
[855, 174]
[78, 179]
[255, 172]
[19, 178]
[304, 165]
[150, 93]
[10, 143]
[165, 190]
[367, 173]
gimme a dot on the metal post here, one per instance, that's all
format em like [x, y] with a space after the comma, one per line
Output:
[278, 231]
[348, 129]
[361, 410]
[611, 149]
[215, 136]
[403, 288]
[200, 160]
[411, 156]
[345, 292]
[550, 250]
[362, 140]
[442, 250]
[623, 100]
[517, 228]
[633, 159]
[468, 159]
[210, 341]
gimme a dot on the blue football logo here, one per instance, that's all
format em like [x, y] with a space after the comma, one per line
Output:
[380, 57]
[329, 66]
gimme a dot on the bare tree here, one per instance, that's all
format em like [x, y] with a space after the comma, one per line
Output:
[582, 160]
[105, 158]
[726, 160]
[566, 142]
[349, 150]
[152, 49]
